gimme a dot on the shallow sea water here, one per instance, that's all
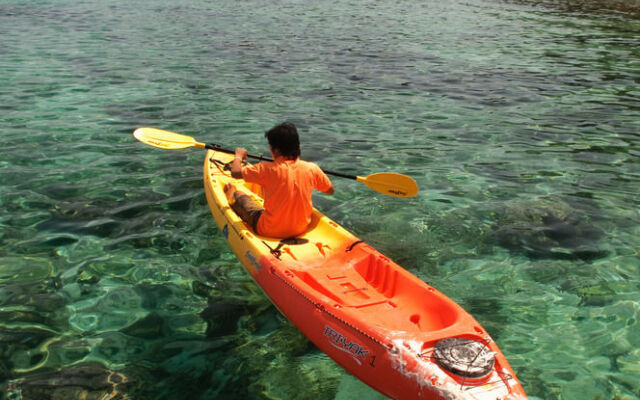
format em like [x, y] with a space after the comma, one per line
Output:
[519, 120]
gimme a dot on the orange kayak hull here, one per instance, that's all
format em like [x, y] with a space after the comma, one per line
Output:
[378, 321]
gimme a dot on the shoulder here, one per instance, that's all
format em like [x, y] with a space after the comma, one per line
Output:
[261, 166]
[258, 170]
[313, 170]
[308, 165]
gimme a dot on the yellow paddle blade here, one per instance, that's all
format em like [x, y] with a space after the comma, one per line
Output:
[165, 139]
[391, 184]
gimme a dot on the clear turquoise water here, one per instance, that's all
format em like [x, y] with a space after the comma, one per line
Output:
[519, 120]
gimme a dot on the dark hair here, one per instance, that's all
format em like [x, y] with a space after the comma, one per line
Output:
[284, 138]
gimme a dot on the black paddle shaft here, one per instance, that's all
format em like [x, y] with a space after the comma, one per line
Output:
[217, 147]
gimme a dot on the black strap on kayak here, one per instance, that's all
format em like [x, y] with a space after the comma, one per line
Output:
[276, 252]
[354, 244]
[294, 241]
[221, 166]
[288, 241]
[225, 166]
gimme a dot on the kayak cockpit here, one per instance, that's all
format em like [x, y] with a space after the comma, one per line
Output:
[368, 283]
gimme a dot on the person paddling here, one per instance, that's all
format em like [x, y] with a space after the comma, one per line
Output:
[287, 183]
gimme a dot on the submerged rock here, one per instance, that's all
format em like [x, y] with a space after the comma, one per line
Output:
[281, 364]
[222, 317]
[224, 280]
[597, 291]
[313, 377]
[231, 295]
[548, 228]
[20, 348]
[149, 327]
[31, 314]
[37, 302]
[90, 381]
[85, 277]
[24, 336]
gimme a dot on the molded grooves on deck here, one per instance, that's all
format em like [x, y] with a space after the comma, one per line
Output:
[377, 271]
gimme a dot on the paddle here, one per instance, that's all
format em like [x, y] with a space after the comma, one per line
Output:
[389, 183]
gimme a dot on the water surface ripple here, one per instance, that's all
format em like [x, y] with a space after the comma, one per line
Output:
[519, 120]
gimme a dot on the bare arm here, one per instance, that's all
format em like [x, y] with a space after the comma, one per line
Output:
[236, 165]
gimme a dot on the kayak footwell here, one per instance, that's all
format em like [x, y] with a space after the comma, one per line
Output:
[378, 321]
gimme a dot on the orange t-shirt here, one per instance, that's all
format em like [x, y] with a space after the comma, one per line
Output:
[287, 186]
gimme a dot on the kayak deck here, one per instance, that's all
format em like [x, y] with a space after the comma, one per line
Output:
[370, 315]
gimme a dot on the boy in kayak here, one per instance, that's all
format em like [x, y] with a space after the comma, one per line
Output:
[287, 184]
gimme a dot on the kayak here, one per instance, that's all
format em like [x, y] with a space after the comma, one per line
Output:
[378, 321]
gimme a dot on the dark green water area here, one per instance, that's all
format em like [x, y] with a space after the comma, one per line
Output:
[520, 121]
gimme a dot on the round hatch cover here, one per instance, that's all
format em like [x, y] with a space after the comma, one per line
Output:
[464, 357]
